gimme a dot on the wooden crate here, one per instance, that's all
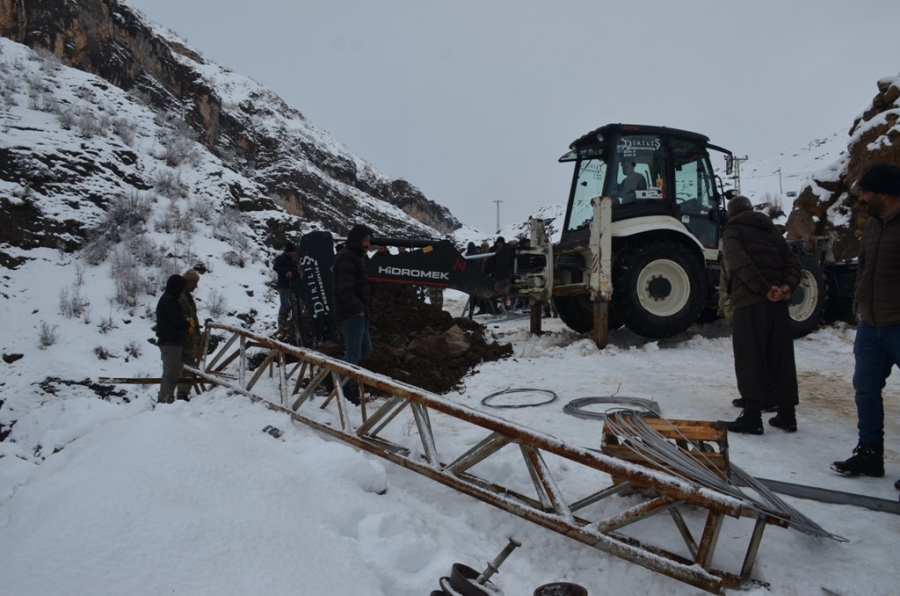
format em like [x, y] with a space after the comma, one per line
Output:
[707, 442]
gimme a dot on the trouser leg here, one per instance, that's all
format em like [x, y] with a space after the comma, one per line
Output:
[172, 366]
[780, 356]
[750, 365]
[876, 351]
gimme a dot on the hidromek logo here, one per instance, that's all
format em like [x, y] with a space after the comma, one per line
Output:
[402, 271]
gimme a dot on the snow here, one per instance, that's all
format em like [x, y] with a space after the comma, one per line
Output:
[115, 496]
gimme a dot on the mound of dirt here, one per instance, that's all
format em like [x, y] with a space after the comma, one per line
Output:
[420, 344]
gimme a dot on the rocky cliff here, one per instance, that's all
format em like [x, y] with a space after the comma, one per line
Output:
[826, 206]
[283, 162]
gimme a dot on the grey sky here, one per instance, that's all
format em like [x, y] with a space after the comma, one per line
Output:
[474, 101]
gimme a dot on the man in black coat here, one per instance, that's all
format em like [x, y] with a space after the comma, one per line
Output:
[763, 273]
[285, 265]
[171, 329]
[352, 300]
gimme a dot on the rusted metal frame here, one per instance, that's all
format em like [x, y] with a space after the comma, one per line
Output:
[634, 514]
[544, 484]
[242, 361]
[485, 448]
[383, 416]
[222, 351]
[660, 482]
[709, 540]
[600, 495]
[273, 354]
[685, 531]
[149, 380]
[282, 381]
[314, 383]
[302, 365]
[423, 424]
[753, 547]
[630, 549]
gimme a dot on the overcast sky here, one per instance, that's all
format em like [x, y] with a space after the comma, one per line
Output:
[474, 101]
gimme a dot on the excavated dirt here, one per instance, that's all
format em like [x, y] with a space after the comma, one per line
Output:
[420, 344]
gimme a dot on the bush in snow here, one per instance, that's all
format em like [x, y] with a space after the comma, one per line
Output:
[169, 184]
[127, 276]
[47, 336]
[67, 117]
[215, 303]
[233, 259]
[124, 127]
[127, 214]
[102, 353]
[96, 251]
[88, 125]
[132, 350]
[72, 304]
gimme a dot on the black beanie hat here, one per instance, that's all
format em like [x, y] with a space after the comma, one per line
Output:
[881, 178]
[290, 247]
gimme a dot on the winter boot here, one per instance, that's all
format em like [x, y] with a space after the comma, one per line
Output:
[786, 420]
[897, 485]
[867, 460]
[741, 403]
[749, 423]
[351, 392]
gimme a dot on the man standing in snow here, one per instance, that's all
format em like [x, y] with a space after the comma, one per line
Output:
[171, 329]
[763, 271]
[191, 347]
[877, 346]
[285, 265]
[352, 301]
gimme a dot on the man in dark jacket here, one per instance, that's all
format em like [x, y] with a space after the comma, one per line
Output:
[352, 300]
[171, 329]
[190, 350]
[285, 265]
[877, 346]
[763, 272]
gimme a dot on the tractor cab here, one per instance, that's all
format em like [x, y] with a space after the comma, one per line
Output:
[648, 171]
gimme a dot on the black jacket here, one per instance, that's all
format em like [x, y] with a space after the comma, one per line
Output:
[171, 324]
[283, 265]
[758, 258]
[351, 283]
[878, 279]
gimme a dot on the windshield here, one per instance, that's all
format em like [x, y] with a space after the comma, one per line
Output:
[590, 173]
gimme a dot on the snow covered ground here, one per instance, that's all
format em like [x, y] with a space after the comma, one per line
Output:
[116, 497]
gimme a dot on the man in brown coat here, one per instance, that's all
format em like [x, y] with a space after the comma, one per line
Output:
[763, 272]
[877, 347]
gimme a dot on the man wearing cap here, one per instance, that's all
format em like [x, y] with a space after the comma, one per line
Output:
[191, 347]
[171, 328]
[877, 346]
[763, 272]
[352, 301]
[285, 266]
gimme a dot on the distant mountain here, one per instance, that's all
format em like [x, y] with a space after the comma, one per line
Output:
[148, 114]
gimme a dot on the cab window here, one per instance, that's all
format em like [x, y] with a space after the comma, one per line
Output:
[589, 177]
[640, 170]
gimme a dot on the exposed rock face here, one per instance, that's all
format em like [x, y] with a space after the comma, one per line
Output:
[248, 127]
[826, 208]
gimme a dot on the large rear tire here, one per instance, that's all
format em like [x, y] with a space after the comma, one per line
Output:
[659, 288]
[807, 299]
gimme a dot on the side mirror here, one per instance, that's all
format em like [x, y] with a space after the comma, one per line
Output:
[729, 165]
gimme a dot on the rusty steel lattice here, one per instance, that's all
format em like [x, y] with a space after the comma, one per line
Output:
[302, 376]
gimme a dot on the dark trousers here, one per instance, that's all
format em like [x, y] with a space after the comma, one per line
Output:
[877, 351]
[764, 355]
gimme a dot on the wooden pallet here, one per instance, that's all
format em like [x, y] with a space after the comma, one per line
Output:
[707, 442]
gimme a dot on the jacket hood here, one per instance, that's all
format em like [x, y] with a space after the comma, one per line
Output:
[355, 236]
[175, 285]
[755, 219]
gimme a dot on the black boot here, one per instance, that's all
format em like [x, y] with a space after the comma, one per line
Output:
[351, 392]
[867, 460]
[749, 423]
[786, 420]
[741, 403]
[897, 485]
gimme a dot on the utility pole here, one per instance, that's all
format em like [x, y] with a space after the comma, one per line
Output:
[780, 189]
[737, 172]
[497, 202]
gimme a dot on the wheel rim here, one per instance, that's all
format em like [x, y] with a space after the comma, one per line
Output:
[805, 297]
[663, 287]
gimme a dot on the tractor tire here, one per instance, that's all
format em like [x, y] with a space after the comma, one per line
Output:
[659, 288]
[577, 312]
[807, 299]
